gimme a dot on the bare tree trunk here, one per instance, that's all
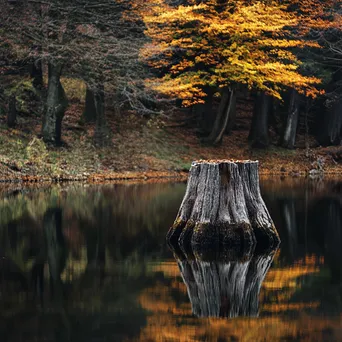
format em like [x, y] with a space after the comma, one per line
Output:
[12, 111]
[89, 113]
[56, 105]
[330, 131]
[275, 113]
[308, 106]
[223, 206]
[203, 113]
[225, 112]
[258, 135]
[232, 116]
[101, 135]
[290, 130]
[37, 74]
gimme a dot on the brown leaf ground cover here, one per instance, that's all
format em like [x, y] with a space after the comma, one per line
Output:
[143, 148]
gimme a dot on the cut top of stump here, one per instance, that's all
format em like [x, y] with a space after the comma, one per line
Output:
[223, 161]
[223, 204]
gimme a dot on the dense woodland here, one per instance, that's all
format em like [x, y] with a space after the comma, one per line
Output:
[156, 57]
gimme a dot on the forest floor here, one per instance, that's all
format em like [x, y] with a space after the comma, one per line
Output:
[144, 148]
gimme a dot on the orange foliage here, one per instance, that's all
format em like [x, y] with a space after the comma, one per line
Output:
[316, 15]
[241, 42]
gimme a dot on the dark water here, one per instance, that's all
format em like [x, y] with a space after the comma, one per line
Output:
[90, 263]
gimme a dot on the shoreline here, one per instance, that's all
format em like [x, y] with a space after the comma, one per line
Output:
[149, 176]
[146, 150]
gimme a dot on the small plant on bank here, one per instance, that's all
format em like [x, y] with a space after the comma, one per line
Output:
[36, 151]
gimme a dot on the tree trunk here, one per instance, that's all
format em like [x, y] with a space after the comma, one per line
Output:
[290, 131]
[258, 135]
[56, 105]
[203, 112]
[330, 131]
[89, 113]
[37, 74]
[232, 116]
[101, 135]
[223, 206]
[228, 288]
[56, 251]
[225, 111]
[12, 111]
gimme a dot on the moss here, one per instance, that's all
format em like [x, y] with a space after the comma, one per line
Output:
[186, 235]
[223, 241]
[174, 232]
[205, 233]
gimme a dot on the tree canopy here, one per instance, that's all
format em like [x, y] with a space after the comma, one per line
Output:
[225, 44]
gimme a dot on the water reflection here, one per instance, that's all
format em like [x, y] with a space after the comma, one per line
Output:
[225, 288]
[90, 263]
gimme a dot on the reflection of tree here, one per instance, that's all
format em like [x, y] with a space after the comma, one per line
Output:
[146, 203]
[289, 214]
[56, 250]
[119, 222]
[225, 289]
[86, 297]
[281, 317]
[330, 218]
[326, 229]
[90, 239]
[106, 228]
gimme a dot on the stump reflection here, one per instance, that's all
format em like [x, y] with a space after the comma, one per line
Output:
[222, 287]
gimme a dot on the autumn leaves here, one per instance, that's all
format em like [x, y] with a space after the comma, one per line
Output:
[238, 43]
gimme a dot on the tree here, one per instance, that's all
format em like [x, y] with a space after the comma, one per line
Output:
[224, 45]
[317, 20]
[96, 42]
[330, 123]
[291, 124]
[258, 135]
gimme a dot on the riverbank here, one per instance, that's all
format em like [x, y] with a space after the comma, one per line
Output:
[142, 149]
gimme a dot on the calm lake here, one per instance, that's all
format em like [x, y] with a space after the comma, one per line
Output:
[90, 263]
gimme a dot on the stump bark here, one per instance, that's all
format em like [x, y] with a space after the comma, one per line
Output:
[223, 206]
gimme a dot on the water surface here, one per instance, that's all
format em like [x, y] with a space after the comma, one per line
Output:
[90, 263]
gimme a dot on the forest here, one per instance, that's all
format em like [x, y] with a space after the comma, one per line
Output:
[132, 97]
[86, 84]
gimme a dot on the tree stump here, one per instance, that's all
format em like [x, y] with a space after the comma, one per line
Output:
[223, 206]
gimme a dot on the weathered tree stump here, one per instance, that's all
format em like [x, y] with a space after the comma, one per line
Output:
[223, 206]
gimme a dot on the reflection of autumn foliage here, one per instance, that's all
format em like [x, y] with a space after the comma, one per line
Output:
[112, 221]
[171, 321]
[281, 284]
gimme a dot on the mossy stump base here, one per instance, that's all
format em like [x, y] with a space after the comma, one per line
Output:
[223, 206]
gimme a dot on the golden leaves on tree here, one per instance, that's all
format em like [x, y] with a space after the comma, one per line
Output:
[250, 43]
